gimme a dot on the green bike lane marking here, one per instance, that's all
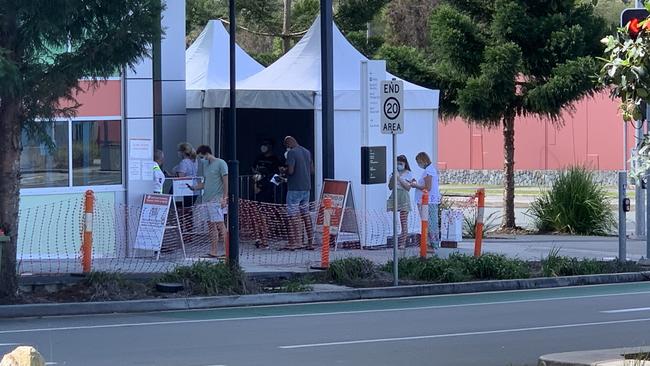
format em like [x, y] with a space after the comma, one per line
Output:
[414, 303]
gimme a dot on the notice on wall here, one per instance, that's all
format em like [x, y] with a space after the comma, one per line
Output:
[147, 170]
[141, 149]
[135, 170]
[153, 219]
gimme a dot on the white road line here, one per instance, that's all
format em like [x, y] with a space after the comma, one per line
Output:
[198, 321]
[630, 310]
[449, 335]
[10, 344]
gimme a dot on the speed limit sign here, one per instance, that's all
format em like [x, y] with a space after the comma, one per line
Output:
[392, 104]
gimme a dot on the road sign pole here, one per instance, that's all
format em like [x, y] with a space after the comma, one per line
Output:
[622, 245]
[395, 214]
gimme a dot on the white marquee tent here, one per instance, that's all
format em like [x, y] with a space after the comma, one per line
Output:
[293, 83]
[207, 75]
[207, 66]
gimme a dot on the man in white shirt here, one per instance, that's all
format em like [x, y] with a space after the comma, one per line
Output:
[158, 175]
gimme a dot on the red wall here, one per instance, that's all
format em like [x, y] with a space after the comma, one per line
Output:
[101, 100]
[591, 135]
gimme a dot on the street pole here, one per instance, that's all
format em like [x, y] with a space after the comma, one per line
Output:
[233, 164]
[622, 245]
[639, 199]
[395, 214]
[327, 85]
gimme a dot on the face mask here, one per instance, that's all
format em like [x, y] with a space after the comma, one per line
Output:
[180, 155]
[202, 158]
[400, 167]
[264, 149]
[422, 165]
[286, 153]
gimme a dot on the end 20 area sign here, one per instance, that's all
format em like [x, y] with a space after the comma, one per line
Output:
[392, 102]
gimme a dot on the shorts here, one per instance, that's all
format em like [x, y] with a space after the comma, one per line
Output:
[216, 212]
[297, 202]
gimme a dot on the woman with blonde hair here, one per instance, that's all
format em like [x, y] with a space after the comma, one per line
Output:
[429, 182]
[189, 166]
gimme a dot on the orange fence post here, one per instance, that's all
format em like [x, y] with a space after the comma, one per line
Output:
[424, 217]
[478, 237]
[87, 244]
[327, 218]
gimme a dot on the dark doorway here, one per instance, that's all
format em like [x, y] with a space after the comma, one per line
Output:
[256, 125]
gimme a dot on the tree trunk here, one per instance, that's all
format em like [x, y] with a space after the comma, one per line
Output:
[9, 194]
[286, 27]
[509, 172]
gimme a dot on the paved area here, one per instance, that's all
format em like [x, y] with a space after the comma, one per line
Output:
[506, 328]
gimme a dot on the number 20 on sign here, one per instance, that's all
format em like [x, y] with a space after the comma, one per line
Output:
[392, 102]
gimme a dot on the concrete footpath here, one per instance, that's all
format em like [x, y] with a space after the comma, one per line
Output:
[536, 247]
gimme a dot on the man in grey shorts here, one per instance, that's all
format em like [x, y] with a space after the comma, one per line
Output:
[300, 167]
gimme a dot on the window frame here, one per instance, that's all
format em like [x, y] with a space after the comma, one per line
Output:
[71, 188]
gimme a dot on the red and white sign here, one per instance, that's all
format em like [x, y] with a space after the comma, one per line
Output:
[153, 219]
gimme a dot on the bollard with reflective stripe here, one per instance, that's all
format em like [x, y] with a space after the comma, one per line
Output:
[424, 219]
[87, 244]
[327, 219]
[478, 241]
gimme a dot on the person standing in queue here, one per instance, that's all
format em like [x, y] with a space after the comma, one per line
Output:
[404, 180]
[215, 195]
[299, 168]
[266, 165]
[429, 181]
[188, 167]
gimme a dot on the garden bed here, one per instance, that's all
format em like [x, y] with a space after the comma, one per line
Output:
[216, 279]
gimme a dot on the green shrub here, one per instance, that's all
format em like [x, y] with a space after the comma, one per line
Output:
[469, 224]
[460, 267]
[576, 204]
[351, 270]
[499, 267]
[556, 265]
[208, 278]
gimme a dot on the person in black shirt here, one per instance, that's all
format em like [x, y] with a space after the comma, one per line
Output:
[266, 165]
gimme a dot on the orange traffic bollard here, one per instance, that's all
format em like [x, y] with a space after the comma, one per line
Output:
[327, 218]
[424, 217]
[480, 195]
[87, 244]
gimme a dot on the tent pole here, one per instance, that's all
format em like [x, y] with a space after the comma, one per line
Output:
[327, 88]
[233, 164]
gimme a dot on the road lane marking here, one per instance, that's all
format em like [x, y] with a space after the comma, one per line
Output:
[465, 334]
[319, 314]
[630, 310]
[10, 344]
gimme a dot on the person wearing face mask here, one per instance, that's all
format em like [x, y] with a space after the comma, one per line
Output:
[429, 181]
[265, 166]
[188, 167]
[215, 195]
[403, 198]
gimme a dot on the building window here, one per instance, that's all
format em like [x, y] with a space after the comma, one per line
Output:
[96, 153]
[42, 165]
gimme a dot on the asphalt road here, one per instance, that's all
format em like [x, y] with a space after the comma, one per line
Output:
[506, 328]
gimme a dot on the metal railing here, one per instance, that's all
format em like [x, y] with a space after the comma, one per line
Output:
[247, 190]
